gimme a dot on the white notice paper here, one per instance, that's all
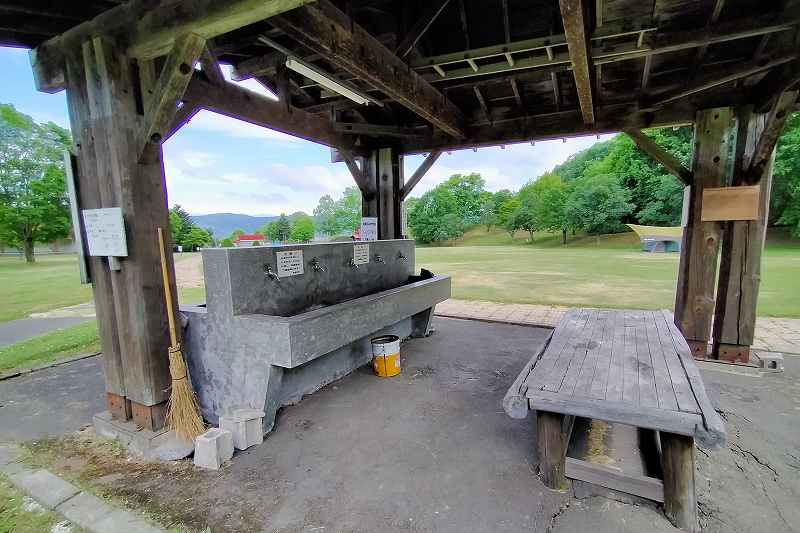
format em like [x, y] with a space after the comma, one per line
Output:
[361, 254]
[105, 232]
[290, 263]
[369, 228]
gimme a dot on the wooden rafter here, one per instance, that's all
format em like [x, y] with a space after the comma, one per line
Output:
[182, 117]
[327, 31]
[667, 160]
[464, 28]
[236, 102]
[515, 90]
[482, 103]
[376, 130]
[576, 34]
[716, 79]
[169, 89]
[150, 28]
[419, 174]
[420, 27]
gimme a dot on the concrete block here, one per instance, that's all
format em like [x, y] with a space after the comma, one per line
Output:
[246, 425]
[48, 489]
[213, 448]
[770, 361]
[161, 445]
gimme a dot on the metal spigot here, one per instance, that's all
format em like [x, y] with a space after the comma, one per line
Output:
[379, 259]
[270, 274]
[353, 264]
[316, 266]
[401, 256]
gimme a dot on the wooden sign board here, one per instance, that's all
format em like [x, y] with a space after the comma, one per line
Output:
[730, 203]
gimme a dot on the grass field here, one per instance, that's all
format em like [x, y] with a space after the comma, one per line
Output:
[608, 271]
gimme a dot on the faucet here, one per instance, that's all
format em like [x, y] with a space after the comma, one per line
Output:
[316, 266]
[379, 259]
[353, 264]
[402, 256]
[270, 273]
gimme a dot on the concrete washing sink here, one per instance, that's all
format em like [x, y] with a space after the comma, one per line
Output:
[264, 340]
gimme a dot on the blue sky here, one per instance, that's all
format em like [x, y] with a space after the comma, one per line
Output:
[218, 164]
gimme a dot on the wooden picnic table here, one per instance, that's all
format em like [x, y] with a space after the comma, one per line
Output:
[626, 366]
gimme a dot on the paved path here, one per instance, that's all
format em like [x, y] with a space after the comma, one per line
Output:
[26, 328]
[772, 334]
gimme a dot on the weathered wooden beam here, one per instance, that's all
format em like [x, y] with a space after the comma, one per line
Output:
[776, 119]
[464, 27]
[666, 159]
[236, 102]
[420, 27]
[361, 175]
[697, 272]
[715, 80]
[482, 103]
[169, 89]
[677, 463]
[577, 42]
[149, 28]
[210, 65]
[182, 117]
[423, 169]
[324, 29]
[376, 130]
[553, 434]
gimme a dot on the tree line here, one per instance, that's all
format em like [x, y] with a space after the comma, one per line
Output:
[597, 190]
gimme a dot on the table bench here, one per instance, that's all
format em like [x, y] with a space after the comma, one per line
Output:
[625, 366]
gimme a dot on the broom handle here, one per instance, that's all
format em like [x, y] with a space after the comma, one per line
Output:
[173, 337]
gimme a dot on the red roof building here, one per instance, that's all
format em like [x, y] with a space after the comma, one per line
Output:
[249, 240]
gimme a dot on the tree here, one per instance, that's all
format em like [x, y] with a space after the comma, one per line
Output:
[434, 217]
[785, 198]
[505, 215]
[196, 238]
[187, 234]
[325, 216]
[303, 229]
[33, 203]
[598, 204]
[548, 197]
[524, 218]
[279, 230]
[339, 217]
[227, 242]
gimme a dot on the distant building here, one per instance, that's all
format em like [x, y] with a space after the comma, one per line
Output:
[243, 241]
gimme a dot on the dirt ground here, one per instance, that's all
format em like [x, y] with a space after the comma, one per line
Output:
[433, 451]
[189, 270]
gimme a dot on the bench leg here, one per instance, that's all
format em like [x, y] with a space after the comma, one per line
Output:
[553, 431]
[677, 462]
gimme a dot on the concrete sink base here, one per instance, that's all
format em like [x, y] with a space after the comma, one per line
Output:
[264, 361]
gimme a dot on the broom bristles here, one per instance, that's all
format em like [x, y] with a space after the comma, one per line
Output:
[183, 412]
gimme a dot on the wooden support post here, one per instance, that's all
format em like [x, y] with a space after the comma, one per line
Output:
[389, 190]
[553, 433]
[743, 241]
[677, 462]
[694, 297]
[136, 184]
[90, 197]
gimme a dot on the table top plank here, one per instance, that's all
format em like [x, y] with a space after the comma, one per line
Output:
[600, 378]
[664, 390]
[566, 372]
[680, 383]
[615, 376]
[595, 354]
[647, 381]
[630, 364]
[573, 320]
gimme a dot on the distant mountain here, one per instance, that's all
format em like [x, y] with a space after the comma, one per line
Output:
[223, 224]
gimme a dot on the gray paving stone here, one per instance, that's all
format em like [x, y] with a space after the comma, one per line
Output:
[9, 453]
[48, 489]
[85, 509]
[120, 521]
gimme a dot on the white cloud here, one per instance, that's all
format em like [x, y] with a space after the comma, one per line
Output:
[213, 122]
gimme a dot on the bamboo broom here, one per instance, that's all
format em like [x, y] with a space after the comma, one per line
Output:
[183, 412]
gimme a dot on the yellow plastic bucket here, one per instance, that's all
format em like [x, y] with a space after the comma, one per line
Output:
[386, 355]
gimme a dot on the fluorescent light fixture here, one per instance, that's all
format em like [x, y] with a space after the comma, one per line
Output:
[313, 73]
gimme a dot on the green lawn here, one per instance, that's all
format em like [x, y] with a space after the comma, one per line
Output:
[51, 282]
[604, 272]
[19, 514]
[59, 344]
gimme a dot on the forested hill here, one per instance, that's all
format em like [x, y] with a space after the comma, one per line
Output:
[597, 190]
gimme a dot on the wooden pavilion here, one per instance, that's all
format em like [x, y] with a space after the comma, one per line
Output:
[378, 79]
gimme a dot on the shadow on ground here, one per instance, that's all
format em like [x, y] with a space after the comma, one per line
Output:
[432, 450]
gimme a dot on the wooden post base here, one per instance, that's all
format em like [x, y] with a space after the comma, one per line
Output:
[699, 348]
[677, 462]
[118, 406]
[733, 353]
[150, 417]
[553, 433]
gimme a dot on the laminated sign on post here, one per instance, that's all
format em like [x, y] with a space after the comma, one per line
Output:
[105, 232]
[369, 229]
[361, 254]
[289, 263]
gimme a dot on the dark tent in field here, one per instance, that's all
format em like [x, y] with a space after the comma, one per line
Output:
[659, 239]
